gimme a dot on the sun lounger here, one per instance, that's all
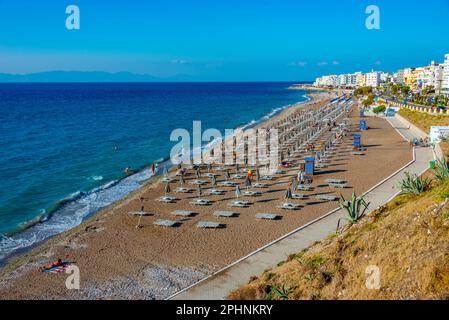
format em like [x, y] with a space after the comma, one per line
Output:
[267, 216]
[335, 181]
[198, 182]
[220, 169]
[279, 172]
[228, 184]
[239, 204]
[201, 202]
[289, 206]
[337, 185]
[261, 185]
[209, 225]
[167, 199]
[251, 193]
[238, 176]
[226, 214]
[165, 223]
[358, 153]
[325, 197]
[167, 180]
[182, 213]
[304, 188]
[209, 175]
[298, 196]
[270, 178]
[216, 192]
[183, 190]
[139, 213]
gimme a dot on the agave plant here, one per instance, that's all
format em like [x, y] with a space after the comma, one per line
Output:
[281, 292]
[355, 208]
[442, 170]
[414, 184]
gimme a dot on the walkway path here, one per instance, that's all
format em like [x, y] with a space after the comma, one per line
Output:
[220, 284]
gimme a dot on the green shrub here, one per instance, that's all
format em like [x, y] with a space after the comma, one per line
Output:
[442, 170]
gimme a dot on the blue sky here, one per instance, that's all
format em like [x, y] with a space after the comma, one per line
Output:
[222, 40]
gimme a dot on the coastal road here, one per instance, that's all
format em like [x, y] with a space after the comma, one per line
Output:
[230, 278]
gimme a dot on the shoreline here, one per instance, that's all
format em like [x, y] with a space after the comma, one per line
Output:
[110, 252]
[153, 179]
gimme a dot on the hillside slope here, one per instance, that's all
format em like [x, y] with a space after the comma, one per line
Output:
[408, 240]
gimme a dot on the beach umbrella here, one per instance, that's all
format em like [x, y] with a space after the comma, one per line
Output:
[288, 194]
[181, 181]
[165, 171]
[257, 174]
[200, 191]
[214, 181]
[209, 167]
[198, 172]
[227, 175]
[237, 192]
[167, 189]
[294, 184]
[237, 168]
[248, 182]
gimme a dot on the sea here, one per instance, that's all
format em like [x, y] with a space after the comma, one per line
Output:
[64, 146]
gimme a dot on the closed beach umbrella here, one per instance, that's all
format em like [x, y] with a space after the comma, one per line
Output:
[214, 181]
[200, 191]
[288, 193]
[257, 174]
[165, 171]
[248, 182]
[209, 167]
[198, 172]
[167, 189]
[226, 175]
[294, 184]
[181, 181]
[237, 192]
[237, 168]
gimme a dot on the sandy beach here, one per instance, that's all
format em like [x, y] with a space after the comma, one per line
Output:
[118, 261]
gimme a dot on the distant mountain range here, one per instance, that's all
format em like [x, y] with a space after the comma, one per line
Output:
[88, 76]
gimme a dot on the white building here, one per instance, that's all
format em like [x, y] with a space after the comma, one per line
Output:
[402, 74]
[445, 77]
[373, 79]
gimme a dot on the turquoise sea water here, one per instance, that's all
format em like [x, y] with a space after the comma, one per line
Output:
[64, 147]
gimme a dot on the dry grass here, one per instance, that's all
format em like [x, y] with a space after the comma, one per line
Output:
[424, 120]
[408, 239]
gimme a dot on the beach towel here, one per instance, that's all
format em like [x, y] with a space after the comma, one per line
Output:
[56, 267]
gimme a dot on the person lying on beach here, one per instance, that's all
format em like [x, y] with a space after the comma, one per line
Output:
[55, 267]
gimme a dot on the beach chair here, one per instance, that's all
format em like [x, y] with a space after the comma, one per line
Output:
[324, 197]
[297, 196]
[183, 190]
[267, 216]
[267, 177]
[239, 204]
[209, 175]
[238, 176]
[167, 180]
[279, 172]
[201, 202]
[140, 213]
[182, 213]
[209, 225]
[337, 185]
[166, 223]
[198, 182]
[303, 187]
[252, 193]
[289, 206]
[216, 192]
[228, 184]
[225, 214]
[260, 185]
[358, 153]
[167, 199]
